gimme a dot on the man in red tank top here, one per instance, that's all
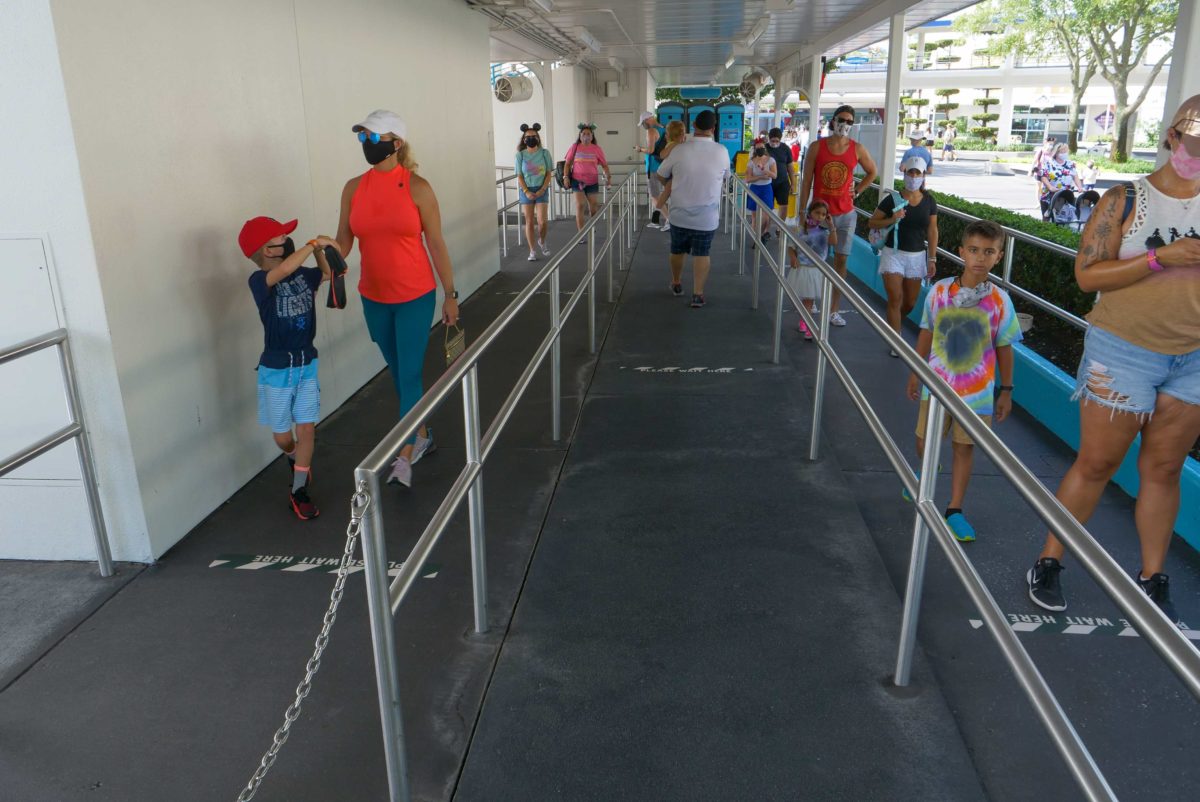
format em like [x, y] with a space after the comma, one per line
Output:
[829, 177]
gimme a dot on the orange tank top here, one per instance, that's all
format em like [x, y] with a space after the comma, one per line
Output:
[834, 177]
[387, 223]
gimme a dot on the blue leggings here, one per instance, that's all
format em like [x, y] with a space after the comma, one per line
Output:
[402, 332]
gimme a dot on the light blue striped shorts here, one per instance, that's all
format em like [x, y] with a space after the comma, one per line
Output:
[288, 395]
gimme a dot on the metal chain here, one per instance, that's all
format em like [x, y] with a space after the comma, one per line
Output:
[358, 507]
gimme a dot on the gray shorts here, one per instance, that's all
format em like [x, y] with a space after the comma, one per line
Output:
[656, 185]
[844, 225]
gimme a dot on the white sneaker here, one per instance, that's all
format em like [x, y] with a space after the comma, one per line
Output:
[532, 257]
[422, 446]
[401, 472]
[836, 319]
[666, 226]
[545, 250]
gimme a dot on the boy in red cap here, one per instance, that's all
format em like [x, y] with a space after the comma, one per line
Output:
[285, 293]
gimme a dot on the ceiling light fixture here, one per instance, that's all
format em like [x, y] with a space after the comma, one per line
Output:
[587, 39]
[545, 5]
[757, 31]
[729, 61]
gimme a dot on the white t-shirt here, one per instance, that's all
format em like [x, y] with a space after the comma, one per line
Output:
[698, 168]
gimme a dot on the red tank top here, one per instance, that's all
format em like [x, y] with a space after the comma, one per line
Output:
[387, 223]
[834, 177]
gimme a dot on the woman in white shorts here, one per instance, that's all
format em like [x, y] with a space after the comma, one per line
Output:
[910, 249]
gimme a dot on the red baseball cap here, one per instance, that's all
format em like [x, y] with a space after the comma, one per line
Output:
[259, 231]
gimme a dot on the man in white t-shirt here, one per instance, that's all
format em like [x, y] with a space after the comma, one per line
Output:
[697, 170]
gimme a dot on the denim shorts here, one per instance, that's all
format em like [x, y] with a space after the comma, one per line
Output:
[1133, 375]
[588, 189]
[844, 225]
[689, 240]
[525, 201]
[287, 396]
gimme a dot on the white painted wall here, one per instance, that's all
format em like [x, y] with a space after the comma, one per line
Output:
[192, 117]
[43, 514]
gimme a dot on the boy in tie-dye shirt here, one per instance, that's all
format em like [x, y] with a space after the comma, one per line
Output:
[967, 332]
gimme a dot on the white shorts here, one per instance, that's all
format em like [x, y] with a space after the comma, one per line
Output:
[910, 264]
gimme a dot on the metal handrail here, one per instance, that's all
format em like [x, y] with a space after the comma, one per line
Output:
[1161, 633]
[384, 597]
[74, 430]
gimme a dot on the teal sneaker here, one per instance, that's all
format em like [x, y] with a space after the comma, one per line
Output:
[904, 491]
[961, 527]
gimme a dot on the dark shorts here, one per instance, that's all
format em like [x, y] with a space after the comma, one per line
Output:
[782, 192]
[689, 240]
[589, 189]
[760, 195]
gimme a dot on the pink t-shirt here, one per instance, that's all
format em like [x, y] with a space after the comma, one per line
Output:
[586, 160]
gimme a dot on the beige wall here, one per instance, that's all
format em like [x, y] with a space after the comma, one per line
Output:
[190, 118]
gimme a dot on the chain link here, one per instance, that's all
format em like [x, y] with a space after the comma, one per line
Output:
[358, 507]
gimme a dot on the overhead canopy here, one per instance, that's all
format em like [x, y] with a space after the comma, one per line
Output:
[688, 42]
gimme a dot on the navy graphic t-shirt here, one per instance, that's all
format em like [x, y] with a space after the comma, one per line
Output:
[289, 317]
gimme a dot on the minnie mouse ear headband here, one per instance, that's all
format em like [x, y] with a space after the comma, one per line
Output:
[587, 126]
[534, 127]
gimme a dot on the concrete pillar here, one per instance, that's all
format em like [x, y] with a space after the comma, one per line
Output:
[919, 58]
[547, 76]
[891, 103]
[1183, 80]
[814, 99]
[1006, 114]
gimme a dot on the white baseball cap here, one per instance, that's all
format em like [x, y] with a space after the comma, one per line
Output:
[646, 115]
[913, 163]
[382, 121]
[916, 133]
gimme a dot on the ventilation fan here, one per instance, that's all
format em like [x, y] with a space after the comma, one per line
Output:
[750, 86]
[513, 88]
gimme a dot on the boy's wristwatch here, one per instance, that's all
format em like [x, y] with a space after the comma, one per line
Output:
[1004, 388]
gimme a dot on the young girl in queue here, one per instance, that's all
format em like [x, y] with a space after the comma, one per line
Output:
[534, 167]
[909, 255]
[818, 232]
[582, 172]
[394, 215]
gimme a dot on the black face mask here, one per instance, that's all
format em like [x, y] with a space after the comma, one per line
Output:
[531, 142]
[289, 248]
[375, 152]
[760, 152]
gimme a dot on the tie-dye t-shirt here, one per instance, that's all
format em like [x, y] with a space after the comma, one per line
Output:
[965, 340]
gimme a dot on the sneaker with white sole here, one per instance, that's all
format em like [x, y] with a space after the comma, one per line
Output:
[677, 290]
[422, 446]
[836, 319]
[532, 257]
[1158, 589]
[1044, 587]
[401, 472]
[545, 248]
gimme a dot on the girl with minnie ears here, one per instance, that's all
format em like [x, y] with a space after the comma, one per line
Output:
[534, 166]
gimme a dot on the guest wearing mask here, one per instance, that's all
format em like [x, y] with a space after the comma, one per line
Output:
[583, 163]
[534, 169]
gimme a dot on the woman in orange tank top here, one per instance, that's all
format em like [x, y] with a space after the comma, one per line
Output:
[394, 214]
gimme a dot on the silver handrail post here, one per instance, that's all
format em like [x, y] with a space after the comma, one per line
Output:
[383, 640]
[779, 300]
[741, 229]
[756, 240]
[822, 365]
[633, 196]
[87, 468]
[934, 421]
[591, 290]
[1010, 243]
[608, 251]
[470, 391]
[555, 361]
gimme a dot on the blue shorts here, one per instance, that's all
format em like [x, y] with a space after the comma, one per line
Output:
[764, 193]
[288, 395]
[689, 240]
[525, 201]
[588, 189]
[1133, 375]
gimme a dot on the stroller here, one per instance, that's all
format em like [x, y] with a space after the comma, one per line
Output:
[1063, 208]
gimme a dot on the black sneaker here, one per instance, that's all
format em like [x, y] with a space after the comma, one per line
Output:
[303, 507]
[1044, 588]
[766, 237]
[677, 289]
[697, 301]
[1157, 588]
[656, 217]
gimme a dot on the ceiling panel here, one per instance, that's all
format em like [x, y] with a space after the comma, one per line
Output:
[688, 41]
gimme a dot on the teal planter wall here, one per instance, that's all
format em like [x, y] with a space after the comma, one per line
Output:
[1044, 391]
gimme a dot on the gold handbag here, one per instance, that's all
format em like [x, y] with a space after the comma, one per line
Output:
[455, 344]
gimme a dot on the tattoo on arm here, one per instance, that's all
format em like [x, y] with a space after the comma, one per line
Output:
[1097, 244]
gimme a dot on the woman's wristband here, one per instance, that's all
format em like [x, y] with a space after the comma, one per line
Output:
[1004, 388]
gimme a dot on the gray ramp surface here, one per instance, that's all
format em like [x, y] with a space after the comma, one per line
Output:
[706, 616]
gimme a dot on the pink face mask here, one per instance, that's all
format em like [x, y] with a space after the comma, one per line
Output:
[1186, 165]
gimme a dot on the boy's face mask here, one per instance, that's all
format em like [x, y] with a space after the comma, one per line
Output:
[287, 248]
[971, 296]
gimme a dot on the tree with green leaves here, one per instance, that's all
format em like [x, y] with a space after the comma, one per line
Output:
[1121, 33]
[1029, 28]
